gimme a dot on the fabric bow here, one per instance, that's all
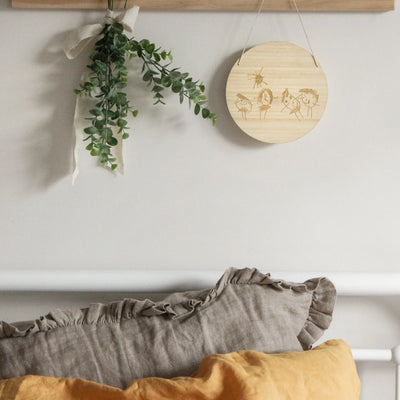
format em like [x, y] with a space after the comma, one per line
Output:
[75, 42]
[78, 39]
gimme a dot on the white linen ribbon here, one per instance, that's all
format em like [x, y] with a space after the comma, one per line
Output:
[75, 42]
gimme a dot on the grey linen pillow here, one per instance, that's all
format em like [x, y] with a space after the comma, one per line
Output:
[118, 342]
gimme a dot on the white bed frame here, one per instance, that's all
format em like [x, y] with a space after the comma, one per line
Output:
[347, 284]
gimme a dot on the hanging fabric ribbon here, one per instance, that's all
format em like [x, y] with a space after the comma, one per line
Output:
[74, 44]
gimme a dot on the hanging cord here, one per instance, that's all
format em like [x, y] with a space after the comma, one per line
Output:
[301, 23]
[305, 33]
[251, 30]
[111, 4]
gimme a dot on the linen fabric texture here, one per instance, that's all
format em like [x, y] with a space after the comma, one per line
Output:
[116, 343]
[327, 372]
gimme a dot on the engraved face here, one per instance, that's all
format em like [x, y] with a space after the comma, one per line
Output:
[265, 97]
[243, 103]
[289, 100]
[309, 99]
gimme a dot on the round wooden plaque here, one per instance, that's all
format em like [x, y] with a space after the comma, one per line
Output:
[276, 93]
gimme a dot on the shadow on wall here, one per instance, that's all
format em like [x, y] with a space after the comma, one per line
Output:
[225, 124]
[48, 150]
[50, 157]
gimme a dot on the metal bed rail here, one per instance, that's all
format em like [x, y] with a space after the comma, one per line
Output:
[381, 355]
[155, 280]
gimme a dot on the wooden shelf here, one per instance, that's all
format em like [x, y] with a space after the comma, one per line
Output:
[227, 5]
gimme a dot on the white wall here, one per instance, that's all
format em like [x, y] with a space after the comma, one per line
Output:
[195, 196]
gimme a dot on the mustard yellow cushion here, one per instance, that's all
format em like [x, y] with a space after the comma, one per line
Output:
[327, 372]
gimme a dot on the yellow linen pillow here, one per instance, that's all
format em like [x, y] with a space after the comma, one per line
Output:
[327, 372]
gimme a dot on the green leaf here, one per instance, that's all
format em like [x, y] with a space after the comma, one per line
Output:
[99, 124]
[109, 113]
[177, 87]
[100, 65]
[144, 43]
[135, 113]
[174, 75]
[114, 166]
[89, 146]
[112, 141]
[147, 76]
[96, 112]
[108, 132]
[117, 27]
[103, 158]
[94, 153]
[166, 81]
[190, 85]
[91, 130]
[122, 123]
[150, 48]
[125, 136]
[95, 81]
[197, 109]
[205, 112]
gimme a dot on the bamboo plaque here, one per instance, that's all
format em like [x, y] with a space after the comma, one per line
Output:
[276, 92]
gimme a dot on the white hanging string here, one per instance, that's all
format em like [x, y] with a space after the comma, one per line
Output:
[251, 30]
[301, 23]
[305, 33]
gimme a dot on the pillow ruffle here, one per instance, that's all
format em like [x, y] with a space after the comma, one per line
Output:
[320, 313]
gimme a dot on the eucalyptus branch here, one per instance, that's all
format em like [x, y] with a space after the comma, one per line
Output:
[160, 77]
[108, 78]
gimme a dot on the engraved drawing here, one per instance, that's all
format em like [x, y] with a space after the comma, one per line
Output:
[243, 104]
[297, 103]
[258, 79]
[309, 97]
[292, 104]
[265, 98]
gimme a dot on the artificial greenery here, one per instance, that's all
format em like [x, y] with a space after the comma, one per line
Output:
[107, 81]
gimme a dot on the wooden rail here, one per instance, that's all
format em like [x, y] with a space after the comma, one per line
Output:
[227, 5]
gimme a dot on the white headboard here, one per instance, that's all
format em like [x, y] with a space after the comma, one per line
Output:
[167, 280]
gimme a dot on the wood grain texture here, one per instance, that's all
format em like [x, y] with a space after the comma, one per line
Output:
[276, 93]
[238, 5]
